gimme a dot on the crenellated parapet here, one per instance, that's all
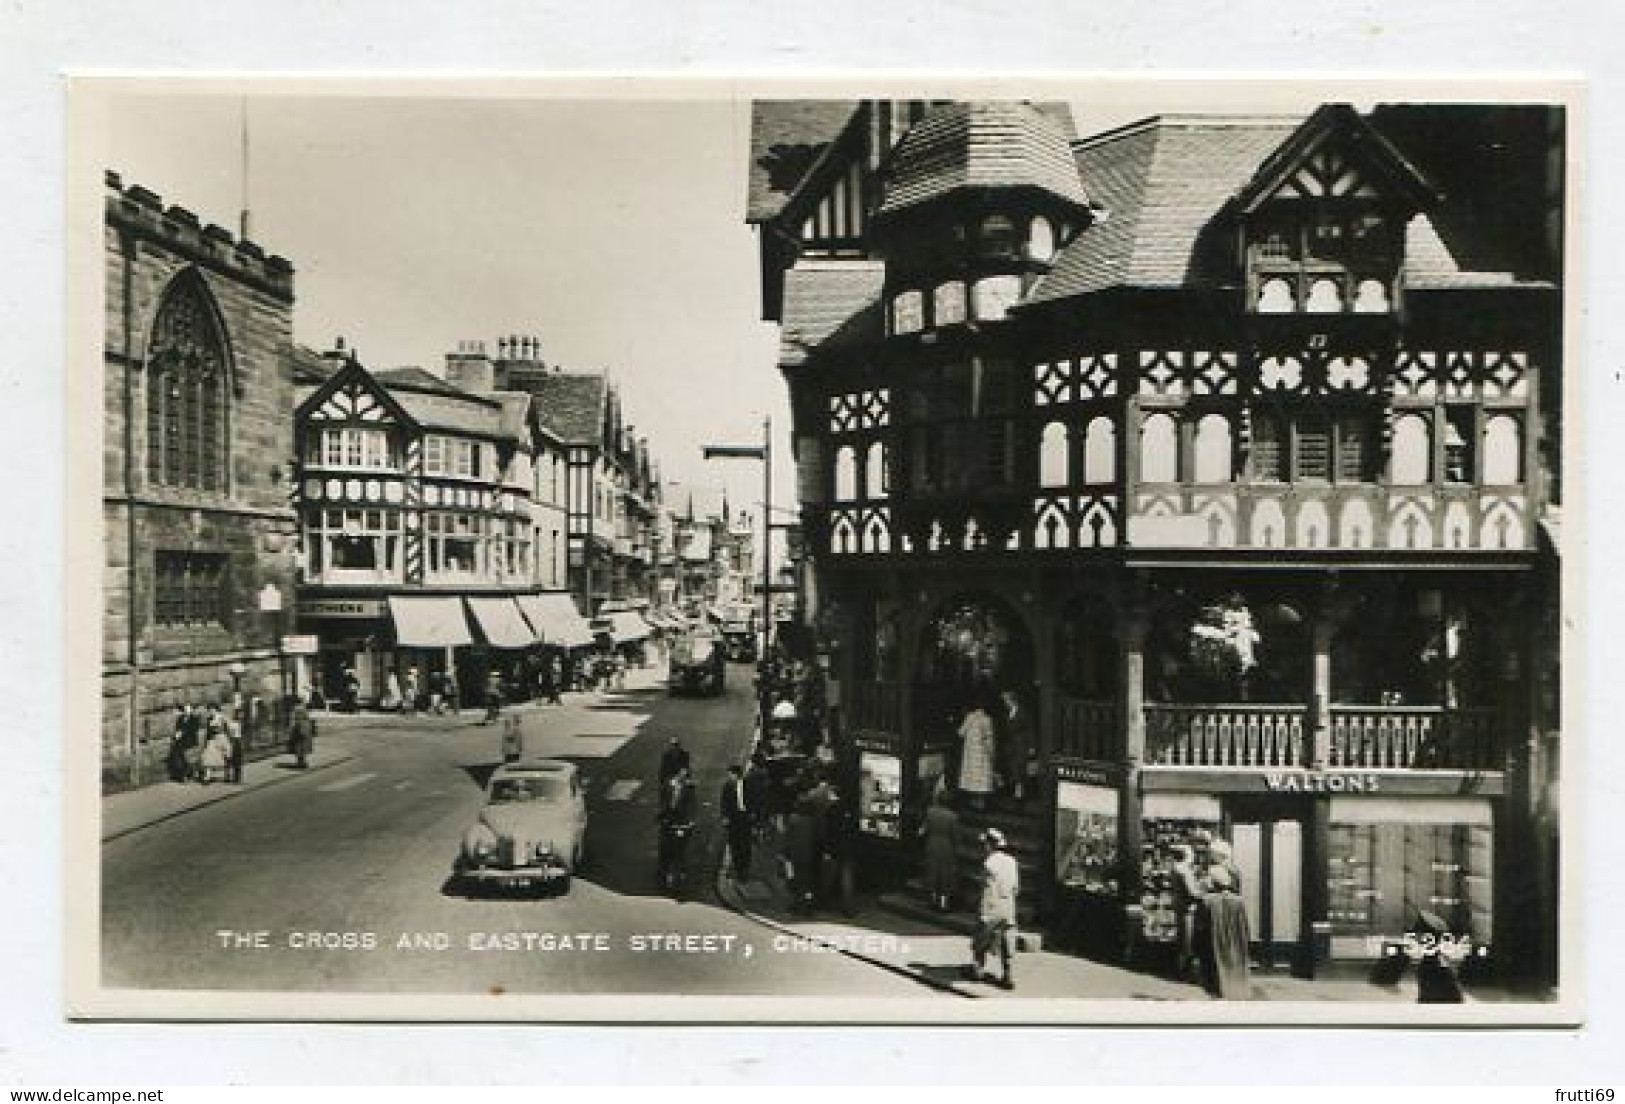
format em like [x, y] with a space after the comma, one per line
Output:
[139, 211]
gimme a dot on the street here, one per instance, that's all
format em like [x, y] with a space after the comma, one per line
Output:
[339, 880]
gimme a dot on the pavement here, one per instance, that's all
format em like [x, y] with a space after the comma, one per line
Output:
[132, 810]
[937, 953]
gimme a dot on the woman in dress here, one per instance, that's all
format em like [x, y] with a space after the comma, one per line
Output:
[976, 755]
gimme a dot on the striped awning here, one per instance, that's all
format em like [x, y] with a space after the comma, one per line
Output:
[556, 620]
[501, 623]
[429, 621]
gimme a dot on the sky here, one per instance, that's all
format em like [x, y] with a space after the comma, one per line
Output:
[610, 229]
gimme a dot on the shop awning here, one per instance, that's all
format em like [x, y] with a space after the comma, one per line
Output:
[429, 621]
[556, 620]
[628, 627]
[501, 623]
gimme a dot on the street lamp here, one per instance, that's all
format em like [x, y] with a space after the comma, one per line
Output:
[764, 453]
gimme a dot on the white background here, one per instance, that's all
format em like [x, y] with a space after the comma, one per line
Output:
[39, 40]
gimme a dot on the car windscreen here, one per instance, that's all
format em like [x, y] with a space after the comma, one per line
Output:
[693, 649]
[539, 787]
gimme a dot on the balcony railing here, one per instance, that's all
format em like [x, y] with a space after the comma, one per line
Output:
[1086, 729]
[1422, 737]
[1225, 735]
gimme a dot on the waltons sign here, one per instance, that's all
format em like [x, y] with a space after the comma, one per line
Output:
[1320, 782]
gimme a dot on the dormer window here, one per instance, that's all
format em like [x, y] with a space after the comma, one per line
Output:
[998, 239]
[1319, 259]
[1041, 239]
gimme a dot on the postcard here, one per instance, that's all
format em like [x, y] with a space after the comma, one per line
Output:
[1035, 551]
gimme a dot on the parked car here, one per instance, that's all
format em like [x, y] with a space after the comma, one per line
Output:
[698, 664]
[531, 831]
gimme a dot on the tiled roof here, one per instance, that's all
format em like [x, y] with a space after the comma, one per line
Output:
[420, 379]
[310, 368]
[571, 405]
[464, 414]
[829, 304]
[1159, 184]
[982, 144]
[515, 408]
[786, 138]
[1162, 185]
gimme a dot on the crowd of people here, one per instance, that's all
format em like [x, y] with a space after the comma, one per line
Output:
[208, 743]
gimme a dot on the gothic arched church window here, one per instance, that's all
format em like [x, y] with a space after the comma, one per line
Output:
[188, 365]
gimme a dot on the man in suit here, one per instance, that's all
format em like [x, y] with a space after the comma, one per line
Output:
[738, 819]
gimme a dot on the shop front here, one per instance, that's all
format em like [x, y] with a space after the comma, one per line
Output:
[1336, 867]
[505, 651]
[353, 638]
[564, 635]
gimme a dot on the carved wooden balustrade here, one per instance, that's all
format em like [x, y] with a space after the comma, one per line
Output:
[1225, 735]
[1421, 737]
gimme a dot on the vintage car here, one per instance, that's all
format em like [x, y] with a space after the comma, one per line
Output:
[531, 831]
[697, 663]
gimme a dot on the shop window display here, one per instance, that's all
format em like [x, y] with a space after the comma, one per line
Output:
[1162, 840]
[880, 795]
[1383, 874]
[1086, 838]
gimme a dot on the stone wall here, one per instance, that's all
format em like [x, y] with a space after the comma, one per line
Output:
[250, 522]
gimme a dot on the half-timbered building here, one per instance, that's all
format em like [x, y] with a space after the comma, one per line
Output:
[1221, 445]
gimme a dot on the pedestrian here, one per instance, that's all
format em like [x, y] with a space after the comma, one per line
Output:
[301, 733]
[738, 821]
[555, 680]
[181, 739]
[618, 672]
[392, 693]
[414, 690]
[840, 851]
[1016, 744]
[215, 759]
[941, 831]
[493, 698]
[672, 760]
[996, 914]
[801, 851]
[1186, 887]
[1218, 859]
[758, 793]
[1436, 981]
[454, 693]
[976, 771]
[1221, 938]
[352, 691]
[233, 723]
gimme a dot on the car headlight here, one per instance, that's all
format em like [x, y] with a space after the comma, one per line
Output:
[480, 842]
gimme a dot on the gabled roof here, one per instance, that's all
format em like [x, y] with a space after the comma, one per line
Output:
[828, 305]
[787, 137]
[349, 376]
[1157, 185]
[515, 414]
[1167, 191]
[981, 144]
[572, 405]
[1341, 125]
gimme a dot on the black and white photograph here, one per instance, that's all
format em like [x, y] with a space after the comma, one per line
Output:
[948, 552]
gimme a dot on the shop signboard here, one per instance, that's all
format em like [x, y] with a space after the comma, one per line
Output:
[346, 607]
[303, 645]
[880, 795]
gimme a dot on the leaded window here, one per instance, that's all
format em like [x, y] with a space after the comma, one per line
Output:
[187, 370]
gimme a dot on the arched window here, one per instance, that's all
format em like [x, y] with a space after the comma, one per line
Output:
[1324, 297]
[1100, 451]
[1413, 451]
[1053, 465]
[1502, 451]
[1041, 239]
[1213, 450]
[1275, 297]
[846, 474]
[1159, 450]
[874, 473]
[187, 371]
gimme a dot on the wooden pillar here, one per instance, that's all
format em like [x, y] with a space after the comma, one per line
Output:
[1315, 929]
[1320, 698]
[1129, 826]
